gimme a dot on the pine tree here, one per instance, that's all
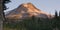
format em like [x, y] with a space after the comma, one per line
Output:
[59, 21]
[2, 8]
[56, 14]
[56, 20]
[59, 13]
[5, 2]
[33, 18]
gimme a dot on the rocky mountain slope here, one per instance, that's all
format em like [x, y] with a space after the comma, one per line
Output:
[27, 10]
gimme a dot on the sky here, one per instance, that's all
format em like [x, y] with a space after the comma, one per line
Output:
[48, 6]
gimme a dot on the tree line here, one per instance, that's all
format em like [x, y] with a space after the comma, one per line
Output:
[37, 23]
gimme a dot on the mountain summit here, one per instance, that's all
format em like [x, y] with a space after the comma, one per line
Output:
[27, 10]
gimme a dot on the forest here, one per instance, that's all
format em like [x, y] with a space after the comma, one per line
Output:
[34, 23]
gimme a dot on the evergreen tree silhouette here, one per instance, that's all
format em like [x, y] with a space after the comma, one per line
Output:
[33, 18]
[55, 24]
[59, 13]
[58, 25]
[56, 14]
[4, 7]
[5, 2]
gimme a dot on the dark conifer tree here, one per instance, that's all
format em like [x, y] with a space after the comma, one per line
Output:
[56, 14]
[55, 20]
[59, 13]
[4, 7]
[33, 18]
[2, 15]
[39, 21]
[58, 21]
[5, 2]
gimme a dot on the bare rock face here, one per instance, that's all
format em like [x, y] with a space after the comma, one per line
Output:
[27, 10]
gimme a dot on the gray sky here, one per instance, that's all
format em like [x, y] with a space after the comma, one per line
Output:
[48, 6]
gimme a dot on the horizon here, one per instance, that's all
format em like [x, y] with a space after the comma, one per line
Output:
[48, 6]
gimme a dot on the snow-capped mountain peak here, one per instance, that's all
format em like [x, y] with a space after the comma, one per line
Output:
[27, 10]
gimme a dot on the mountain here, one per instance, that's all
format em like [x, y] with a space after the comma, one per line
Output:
[27, 10]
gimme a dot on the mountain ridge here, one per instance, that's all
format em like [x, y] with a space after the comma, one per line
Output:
[25, 10]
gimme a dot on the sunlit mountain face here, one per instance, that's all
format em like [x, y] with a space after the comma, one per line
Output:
[27, 10]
